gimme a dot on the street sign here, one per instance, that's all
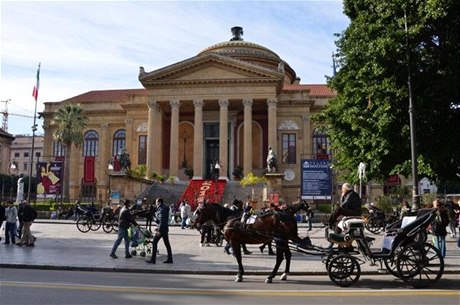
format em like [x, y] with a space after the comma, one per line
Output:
[315, 178]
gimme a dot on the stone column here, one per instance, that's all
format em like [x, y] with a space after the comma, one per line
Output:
[129, 137]
[198, 140]
[223, 138]
[75, 174]
[104, 159]
[174, 147]
[247, 162]
[307, 147]
[154, 138]
[272, 103]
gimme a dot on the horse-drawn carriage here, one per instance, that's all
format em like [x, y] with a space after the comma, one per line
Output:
[405, 252]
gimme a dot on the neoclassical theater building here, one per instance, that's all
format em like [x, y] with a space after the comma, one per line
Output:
[227, 104]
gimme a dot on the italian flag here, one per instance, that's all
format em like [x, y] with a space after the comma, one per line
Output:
[35, 91]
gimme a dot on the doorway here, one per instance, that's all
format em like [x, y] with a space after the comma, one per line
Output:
[211, 157]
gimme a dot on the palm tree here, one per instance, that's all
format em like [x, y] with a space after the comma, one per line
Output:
[70, 123]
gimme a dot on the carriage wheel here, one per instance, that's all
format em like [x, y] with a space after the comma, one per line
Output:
[95, 225]
[108, 226]
[390, 263]
[344, 270]
[328, 259]
[373, 225]
[219, 240]
[420, 265]
[83, 225]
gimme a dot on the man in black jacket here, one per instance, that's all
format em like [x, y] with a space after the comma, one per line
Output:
[162, 218]
[350, 205]
[124, 221]
[27, 214]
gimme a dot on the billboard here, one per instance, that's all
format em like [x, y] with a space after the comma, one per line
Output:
[49, 176]
[315, 177]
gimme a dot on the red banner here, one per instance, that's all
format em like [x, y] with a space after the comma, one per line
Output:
[199, 190]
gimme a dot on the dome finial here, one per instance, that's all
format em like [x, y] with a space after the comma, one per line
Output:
[237, 32]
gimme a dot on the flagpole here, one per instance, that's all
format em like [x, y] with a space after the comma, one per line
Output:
[34, 128]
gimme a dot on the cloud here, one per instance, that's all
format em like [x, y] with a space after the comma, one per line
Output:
[87, 45]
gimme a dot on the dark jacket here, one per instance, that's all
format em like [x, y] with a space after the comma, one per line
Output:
[126, 218]
[28, 214]
[162, 218]
[440, 223]
[351, 202]
[2, 213]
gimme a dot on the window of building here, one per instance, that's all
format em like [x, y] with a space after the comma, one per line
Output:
[16, 155]
[289, 148]
[91, 144]
[26, 155]
[321, 144]
[58, 149]
[25, 167]
[142, 150]
[119, 141]
[38, 154]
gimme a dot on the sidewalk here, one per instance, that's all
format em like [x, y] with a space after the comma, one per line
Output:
[60, 246]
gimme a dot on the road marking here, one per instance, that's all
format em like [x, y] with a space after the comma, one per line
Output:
[231, 292]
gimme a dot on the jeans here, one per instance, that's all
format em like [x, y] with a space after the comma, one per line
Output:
[10, 232]
[159, 235]
[122, 234]
[440, 243]
[184, 222]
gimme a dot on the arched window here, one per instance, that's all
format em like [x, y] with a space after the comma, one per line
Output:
[321, 144]
[119, 141]
[91, 144]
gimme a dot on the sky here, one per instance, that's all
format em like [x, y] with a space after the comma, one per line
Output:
[100, 45]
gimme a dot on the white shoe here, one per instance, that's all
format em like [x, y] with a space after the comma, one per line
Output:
[207, 245]
[201, 245]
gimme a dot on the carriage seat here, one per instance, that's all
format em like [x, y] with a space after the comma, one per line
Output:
[350, 222]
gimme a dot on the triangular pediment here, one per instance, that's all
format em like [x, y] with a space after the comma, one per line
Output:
[209, 68]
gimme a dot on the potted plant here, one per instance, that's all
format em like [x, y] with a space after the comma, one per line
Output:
[251, 180]
[238, 172]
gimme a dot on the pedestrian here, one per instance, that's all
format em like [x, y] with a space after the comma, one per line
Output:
[28, 215]
[350, 205]
[184, 213]
[309, 218]
[10, 226]
[21, 221]
[438, 227]
[124, 221]
[450, 208]
[2, 215]
[206, 231]
[405, 209]
[162, 218]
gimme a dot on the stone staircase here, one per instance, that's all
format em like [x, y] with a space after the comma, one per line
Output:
[234, 190]
[169, 192]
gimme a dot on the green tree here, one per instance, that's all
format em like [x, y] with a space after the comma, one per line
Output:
[368, 120]
[70, 123]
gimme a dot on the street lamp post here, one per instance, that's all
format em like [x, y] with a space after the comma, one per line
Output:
[109, 191]
[415, 193]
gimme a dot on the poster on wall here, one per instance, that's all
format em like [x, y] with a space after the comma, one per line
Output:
[315, 178]
[49, 177]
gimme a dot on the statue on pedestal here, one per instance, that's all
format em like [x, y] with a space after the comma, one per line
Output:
[20, 189]
[272, 163]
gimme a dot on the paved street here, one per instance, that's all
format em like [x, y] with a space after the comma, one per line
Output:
[61, 246]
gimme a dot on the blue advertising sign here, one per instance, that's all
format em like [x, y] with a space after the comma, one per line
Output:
[315, 178]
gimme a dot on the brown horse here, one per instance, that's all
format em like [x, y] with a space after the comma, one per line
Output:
[277, 225]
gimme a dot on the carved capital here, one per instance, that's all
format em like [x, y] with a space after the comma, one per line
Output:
[272, 103]
[129, 121]
[175, 104]
[154, 105]
[223, 103]
[198, 103]
[104, 125]
[247, 102]
[305, 118]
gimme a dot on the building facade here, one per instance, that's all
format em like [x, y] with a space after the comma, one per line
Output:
[6, 140]
[226, 105]
[21, 150]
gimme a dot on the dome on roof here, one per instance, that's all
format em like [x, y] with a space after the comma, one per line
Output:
[250, 52]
